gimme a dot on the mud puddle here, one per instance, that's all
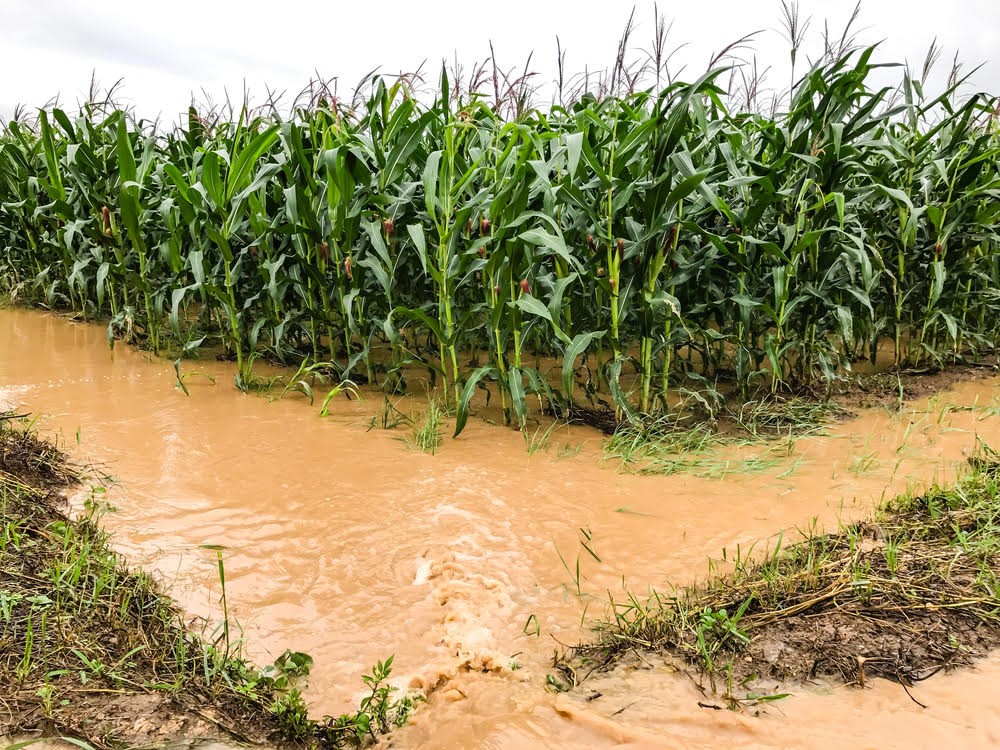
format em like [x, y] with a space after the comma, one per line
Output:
[351, 546]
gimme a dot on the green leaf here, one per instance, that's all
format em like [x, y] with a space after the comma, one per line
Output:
[576, 347]
[614, 385]
[244, 163]
[683, 189]
[462, 412]
[430, 181]
[515, 384]
[399, 158]
[126, 157]
[64, 123]
[553, 242]
[558, 291]
[534, 306]
[102, 276]
[211, 180]
[574, 146]
[416, 233]
[128, 190]
[55, 186]
[221, 242]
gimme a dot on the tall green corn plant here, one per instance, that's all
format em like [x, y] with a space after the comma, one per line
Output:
[680, 131]
[348, 175]
[823, 280]
[937, 197]
[735, 238]
[958, 185]
[91, 178]
[450, 201]
[20, 156]
[228, 200]
[291, 259]
[397, 142]
[59, 210]
[132, 178]
[594, 200]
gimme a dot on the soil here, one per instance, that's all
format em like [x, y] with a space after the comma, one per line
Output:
[882, 390]
[115, 720]
[850, 647]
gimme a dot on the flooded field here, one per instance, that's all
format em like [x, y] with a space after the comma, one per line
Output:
[348, 544]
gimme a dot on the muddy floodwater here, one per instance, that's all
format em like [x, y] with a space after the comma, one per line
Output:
[346, 543]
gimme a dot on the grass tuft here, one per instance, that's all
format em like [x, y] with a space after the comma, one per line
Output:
[426, 436]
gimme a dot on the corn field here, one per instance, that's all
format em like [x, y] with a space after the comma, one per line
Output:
[608, 250]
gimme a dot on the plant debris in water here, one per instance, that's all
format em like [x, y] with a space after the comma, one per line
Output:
[686, 439]
[903, 596]
[94, 651]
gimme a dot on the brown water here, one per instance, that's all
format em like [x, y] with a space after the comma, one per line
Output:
[351, 546]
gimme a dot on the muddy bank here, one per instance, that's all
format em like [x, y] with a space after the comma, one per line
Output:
[764, 414]
[91, 649]
[96, 651]
[902, 596]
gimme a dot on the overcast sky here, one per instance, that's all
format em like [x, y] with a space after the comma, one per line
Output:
[165, 51]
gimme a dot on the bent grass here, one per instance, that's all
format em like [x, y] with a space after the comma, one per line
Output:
[426, 436]
[673, 444]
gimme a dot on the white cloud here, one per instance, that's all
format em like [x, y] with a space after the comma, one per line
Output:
[166, 51]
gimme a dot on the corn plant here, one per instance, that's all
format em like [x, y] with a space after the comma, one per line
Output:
[611, 248]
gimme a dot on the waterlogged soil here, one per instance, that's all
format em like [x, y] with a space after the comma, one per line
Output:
[468, 565]
[846, 646]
